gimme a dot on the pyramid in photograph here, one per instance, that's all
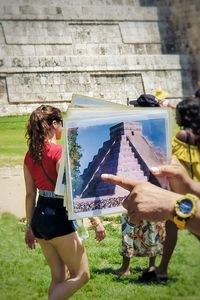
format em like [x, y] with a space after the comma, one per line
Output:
[127, 153]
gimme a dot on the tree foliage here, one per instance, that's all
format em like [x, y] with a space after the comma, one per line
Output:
[75, 155]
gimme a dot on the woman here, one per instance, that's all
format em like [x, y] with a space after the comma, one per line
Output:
[186, 144]
[186, 147]
[48, 222]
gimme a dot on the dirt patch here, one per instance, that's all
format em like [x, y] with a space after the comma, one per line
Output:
[12, 191]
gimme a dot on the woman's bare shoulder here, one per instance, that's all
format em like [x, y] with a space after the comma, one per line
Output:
[182, 135]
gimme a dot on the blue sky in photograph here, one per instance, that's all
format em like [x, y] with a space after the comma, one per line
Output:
[91, 138]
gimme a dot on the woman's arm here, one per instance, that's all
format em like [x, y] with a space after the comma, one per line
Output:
[30, 199]
[182, 136]
[30, 194]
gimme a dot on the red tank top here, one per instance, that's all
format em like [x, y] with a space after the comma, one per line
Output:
[51, 156]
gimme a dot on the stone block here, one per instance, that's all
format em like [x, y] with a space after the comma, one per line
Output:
[143, 32]
[10, 9]
[3, 92]
[28, 9]
[40, 50]
[17, 32]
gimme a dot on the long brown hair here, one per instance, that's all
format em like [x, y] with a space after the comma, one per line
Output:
[39, 129]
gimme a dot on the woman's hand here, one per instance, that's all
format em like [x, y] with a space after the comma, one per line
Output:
[100, 232]
[99, 229]
[179, 180]
[30, 238]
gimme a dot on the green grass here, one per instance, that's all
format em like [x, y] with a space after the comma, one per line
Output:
[13, 144]
[24, 274]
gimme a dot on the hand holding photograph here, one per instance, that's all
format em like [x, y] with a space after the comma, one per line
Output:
[127, 143]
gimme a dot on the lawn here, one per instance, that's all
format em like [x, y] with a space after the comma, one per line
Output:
[13, 143]
[24, 273]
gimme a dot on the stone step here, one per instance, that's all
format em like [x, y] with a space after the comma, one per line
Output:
[95, 63]
[51, 86]
[122, 156]
[81, 12]
[65, 33]
[84, 49]
[74, 2]
[114, 151]
[125, 168]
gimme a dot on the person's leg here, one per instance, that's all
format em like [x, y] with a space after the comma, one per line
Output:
[168, 248]
[73, 254]
[127, 247]
[124, 269]
[152, 261]
[57, 266]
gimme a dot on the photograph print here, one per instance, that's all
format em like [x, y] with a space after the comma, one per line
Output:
[125, 148]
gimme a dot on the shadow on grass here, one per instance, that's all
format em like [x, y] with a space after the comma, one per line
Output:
[131, 278]
[112, 271]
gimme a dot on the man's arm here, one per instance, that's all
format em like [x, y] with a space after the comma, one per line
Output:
[149, 202]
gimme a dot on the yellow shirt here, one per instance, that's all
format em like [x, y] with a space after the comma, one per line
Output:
[181, 150]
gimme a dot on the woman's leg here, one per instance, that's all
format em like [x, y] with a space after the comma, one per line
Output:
[71, 251]
[168, 249]
[57, 266]
[124, 269]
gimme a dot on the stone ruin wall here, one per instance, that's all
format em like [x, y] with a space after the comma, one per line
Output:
[185, 19]
[187, 23]
[112, 49]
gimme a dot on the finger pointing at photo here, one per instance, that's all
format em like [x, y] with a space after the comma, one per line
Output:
[126, 183]
[145, 201]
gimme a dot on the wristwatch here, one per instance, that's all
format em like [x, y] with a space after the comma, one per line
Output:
[185, 208]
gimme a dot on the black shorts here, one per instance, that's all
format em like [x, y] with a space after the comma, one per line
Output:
[50, 219]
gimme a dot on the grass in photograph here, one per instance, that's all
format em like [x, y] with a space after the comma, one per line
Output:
[24, 274]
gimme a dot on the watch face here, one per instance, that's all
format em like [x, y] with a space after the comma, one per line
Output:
[185, 206]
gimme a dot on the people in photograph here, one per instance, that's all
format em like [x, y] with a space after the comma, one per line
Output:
[47, 217]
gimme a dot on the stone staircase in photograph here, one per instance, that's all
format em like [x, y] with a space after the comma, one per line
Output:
[121, 158]
[112, 49]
